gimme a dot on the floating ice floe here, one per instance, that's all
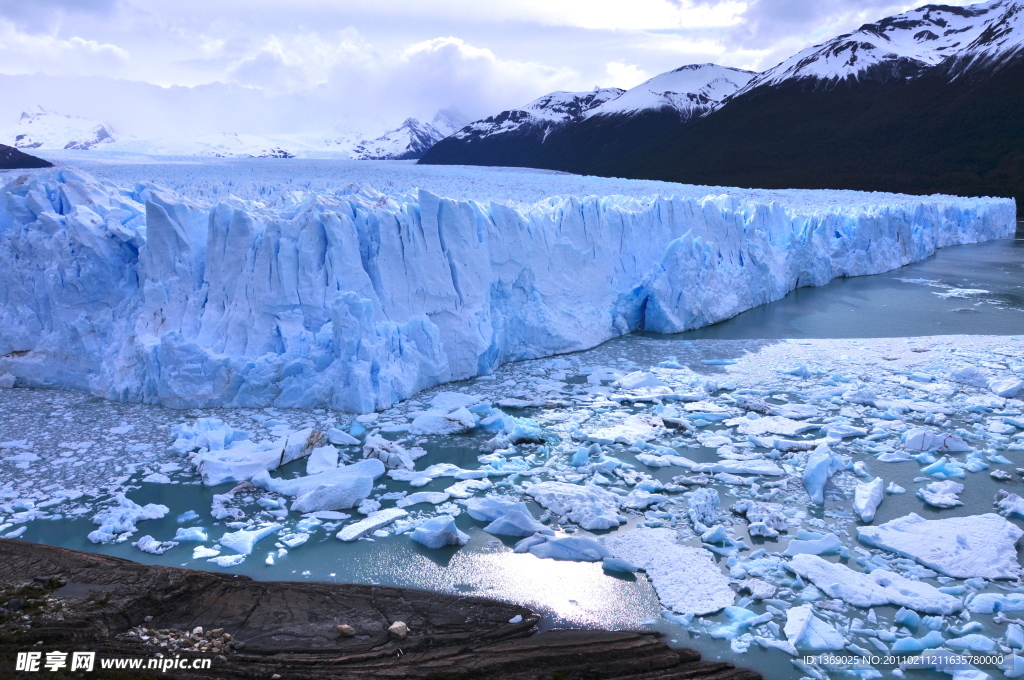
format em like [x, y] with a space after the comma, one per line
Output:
[941, 494]
[590, 506]
[879, 587]
[571, 548]
[805, 631]
[117, 523]
[821, 465]
[867, 497]
[148, 544]
[373, 522]
[336, 489]
[982, 546]
[924, 439]
[438, 532]
[637, 427]
[244, 540]
[686, 579]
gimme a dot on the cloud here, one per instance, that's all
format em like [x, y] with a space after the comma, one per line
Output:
[22, 52]
[624, 75]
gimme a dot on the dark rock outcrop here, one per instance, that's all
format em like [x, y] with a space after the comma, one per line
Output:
[253, 629]
[14, 159]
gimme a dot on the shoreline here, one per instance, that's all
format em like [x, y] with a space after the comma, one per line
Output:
[78, 601]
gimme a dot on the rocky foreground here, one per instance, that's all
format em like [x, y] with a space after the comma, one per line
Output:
[75, 601]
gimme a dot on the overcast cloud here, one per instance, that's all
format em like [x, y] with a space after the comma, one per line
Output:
[157, 66]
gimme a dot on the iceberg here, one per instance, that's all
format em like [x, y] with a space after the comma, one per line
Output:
[867, 497]
[821, 465]
[571, 548]
[117, 523]
[437, 532]
[806, 631]
[354, 299]
[983, 546]
[373, 522]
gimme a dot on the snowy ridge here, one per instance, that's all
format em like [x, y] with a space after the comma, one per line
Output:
[691, 90]
[905, 44]
[554, 109]
[356, 299]
[41, 129]
[46, 130]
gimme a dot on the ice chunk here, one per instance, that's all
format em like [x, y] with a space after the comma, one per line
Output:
[117, 523]
[589, 506]
[516, 522]
[228, 560]
[703, 508]
[341, 494]
[432, 497]
[807, 632]
[923, 439]
[821, 465]
[990, 603]
[771, 425]
[201, 552]
[1010, 504]
[686, 579]
[392, 454]
[963, 547]
[438, 532]
[826, 545]
[571, 548]
[637, 427]
[321, 459]
[867, 497]
[376, 521]
[244, 540]
[490, 508]
[451, 401]
[941, 494]
[191, 534]
[1006, 387]
[741, 467]
[880, 587]
[150, 545]
[341, 438]
[371, 468]
[456, 422]
[639, 379]
[424, 477]
[617, 564]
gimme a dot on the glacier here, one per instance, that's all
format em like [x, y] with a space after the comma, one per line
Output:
[355, 299]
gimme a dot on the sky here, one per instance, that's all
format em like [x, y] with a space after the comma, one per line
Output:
[152, 67]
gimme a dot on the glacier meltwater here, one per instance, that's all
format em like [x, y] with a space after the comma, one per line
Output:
[355, 299]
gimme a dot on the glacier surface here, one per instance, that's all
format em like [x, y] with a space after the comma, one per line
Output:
[355, 299]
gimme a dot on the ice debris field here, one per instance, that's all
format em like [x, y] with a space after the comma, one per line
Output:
[352, 297]
[798, 496]
[792, 497]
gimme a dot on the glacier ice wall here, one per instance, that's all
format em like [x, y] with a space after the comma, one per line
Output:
[354, 299]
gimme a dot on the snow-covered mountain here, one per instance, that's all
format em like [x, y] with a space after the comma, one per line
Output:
[690, 90]
[42, 129]
[541, 115]
[906, 45]
[47, 130]
[410, 140]
[513, 137]
[924, 101]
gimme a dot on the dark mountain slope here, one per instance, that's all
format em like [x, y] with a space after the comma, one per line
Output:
[924, 136]
[13, 159]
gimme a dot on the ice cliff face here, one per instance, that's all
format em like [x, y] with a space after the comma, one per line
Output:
[355, 299]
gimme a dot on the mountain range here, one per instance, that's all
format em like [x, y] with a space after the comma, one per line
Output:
[921, 102]
[40, 129]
